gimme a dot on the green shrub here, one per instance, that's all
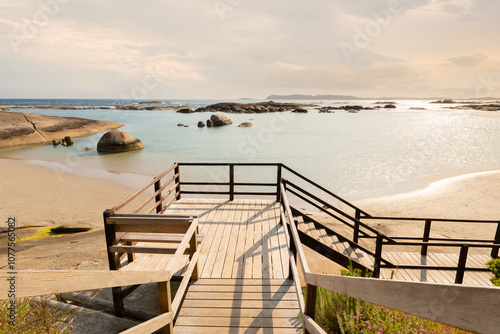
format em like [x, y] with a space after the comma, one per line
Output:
[494, 266]
[33, 316]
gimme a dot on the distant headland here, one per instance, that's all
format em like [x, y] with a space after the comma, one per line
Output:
[350, 97]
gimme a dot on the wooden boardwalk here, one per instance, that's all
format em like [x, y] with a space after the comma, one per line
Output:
[244, 270]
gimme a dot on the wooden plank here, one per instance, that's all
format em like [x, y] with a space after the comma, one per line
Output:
[184, 283]
[259, 304]
[283, 245]
[466, 307]
[225, 238]
[152, 325]
[249, 242]
[142, 249]
[165, 301]
[31, 283]
[209, 228]
[257, 262]
[239, 322]
[219, 219]
[241, 296]
[206, 247]
[244, 313]
[234, 330]
[239, 255]
[276, 269]
[156, 237]
[243, 281]
[242, 288]
[230, 260]
[153, 227]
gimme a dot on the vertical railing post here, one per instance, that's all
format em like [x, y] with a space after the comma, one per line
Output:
[427, 234]
[494, 250]
[310, 307]
[231, 182]
[114, 264]
[355, 235]
[165, 299]
[278, 182]
[378, 256]
[177, 182]
[158, 196]
[193, 247]
[462, 261]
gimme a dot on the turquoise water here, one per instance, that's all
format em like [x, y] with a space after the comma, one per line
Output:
[354, 154]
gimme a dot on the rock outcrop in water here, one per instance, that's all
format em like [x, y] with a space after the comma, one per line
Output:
[245, 125]
[118, 141]
[220, 120]
[25, 129]
[252, 108]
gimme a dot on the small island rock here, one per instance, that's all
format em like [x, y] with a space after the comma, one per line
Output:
[210, 123]
[201, 124]
[118, 141]
[245, 125]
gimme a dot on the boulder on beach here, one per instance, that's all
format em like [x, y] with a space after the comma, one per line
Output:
[220, 120]
[56, 142]
[210, 123]
[300, 110]
[118, 141]
[245, 125]
[201, 124]
[387, 106]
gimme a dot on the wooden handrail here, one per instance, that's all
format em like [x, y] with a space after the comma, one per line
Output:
[174, 262]
[443, 220]
[30, 283]
[359, 223]
[471, 308]
[150, 198]
[324, 190]
[140, 191]
[151, 325]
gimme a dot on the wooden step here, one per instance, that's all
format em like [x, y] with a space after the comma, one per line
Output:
[239, 306]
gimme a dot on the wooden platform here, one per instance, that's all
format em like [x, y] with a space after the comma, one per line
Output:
[240, 306]
[242, 238]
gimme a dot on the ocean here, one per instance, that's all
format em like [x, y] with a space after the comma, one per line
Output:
[356, 155]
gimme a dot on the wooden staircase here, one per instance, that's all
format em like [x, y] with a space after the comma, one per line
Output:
[332, 245]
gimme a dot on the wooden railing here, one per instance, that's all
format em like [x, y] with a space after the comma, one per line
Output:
[160, 197]
[31, 283]
[470, 308]
[231, 184]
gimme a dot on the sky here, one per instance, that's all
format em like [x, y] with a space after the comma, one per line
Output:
[229, 49]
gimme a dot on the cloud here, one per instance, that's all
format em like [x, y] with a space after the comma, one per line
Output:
[467, 61]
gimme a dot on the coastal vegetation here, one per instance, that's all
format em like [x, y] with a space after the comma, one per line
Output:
[494, 266]
[337, 313]
[34, 316]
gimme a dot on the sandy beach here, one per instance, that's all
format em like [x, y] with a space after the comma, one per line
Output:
[40, 196]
